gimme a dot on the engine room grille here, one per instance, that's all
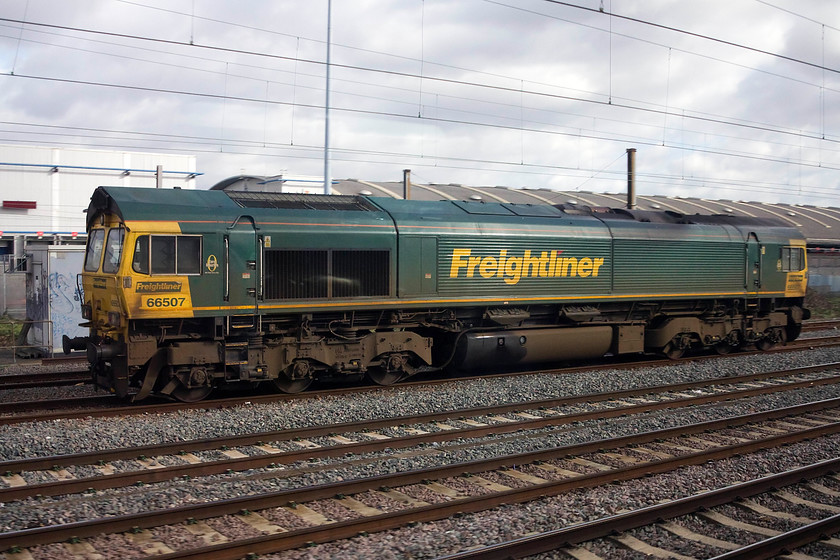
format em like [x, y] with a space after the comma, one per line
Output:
[291, 201]
[360, 273]
[326, 273]
[295, 274]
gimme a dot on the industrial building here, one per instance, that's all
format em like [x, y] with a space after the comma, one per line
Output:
[44, 192]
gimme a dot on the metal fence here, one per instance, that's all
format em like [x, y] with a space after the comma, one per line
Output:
[14, 335]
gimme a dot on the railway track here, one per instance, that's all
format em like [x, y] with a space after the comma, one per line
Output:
[107, 405]
[13, 381]
[370, 436]
[464, 487]
[820, 324]
[784, 486]
[287, 449]
[44, 379]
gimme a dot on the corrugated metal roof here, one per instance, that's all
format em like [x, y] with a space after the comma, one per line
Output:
[821, 226]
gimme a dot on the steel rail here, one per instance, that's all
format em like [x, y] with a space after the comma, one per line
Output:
[50, 379]
[6, 408]
[587, 531]
[820, 324]
[293, 539]
[90, 457]
[208, 468]
[92, 403]
[44, 535]
[775, 546]
[807, 342]
[73, 357]
[262, 399]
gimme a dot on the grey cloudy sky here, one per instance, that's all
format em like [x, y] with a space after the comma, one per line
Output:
[722, 99]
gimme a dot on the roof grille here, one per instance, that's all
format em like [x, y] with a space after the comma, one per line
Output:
[291, 201]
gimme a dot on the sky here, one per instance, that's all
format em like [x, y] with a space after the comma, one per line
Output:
[735, 100]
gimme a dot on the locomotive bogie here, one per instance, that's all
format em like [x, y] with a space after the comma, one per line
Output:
[340, 357]
[714, 330]
[189, 290]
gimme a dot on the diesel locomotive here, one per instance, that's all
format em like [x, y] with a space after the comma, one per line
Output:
[187, 290]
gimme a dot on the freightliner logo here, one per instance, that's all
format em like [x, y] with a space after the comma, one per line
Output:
[512, 268]
[158, 287]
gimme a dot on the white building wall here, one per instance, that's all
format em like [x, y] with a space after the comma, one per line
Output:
[61, 180]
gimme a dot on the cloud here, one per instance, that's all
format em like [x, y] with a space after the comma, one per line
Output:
[474, 92]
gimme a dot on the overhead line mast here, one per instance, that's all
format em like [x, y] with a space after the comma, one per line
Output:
[327, 178]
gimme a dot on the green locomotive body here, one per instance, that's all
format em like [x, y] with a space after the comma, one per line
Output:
[188, 290]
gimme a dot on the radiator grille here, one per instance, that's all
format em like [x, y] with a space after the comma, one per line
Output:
[295, 274]
[360, 273]
[316, 274]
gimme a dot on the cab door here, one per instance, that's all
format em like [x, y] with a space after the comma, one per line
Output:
[243, 285]
[755, 255]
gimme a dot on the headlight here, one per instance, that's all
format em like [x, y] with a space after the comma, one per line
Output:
[114, 319]
[87, 312]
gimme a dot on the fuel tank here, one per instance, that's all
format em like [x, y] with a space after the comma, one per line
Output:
[531, 346]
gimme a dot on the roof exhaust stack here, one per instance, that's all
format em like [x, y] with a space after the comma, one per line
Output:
[631, 178]
[406, 184]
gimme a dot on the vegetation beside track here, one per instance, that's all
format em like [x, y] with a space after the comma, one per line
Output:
[822, 306]
[9, 330]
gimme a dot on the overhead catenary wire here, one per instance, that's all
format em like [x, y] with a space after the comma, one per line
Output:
[295, 85]
[791, 12]
[433, 118]
[225, 97]
[521, 126]
[617, 177]
[440, 79]
[696, 35]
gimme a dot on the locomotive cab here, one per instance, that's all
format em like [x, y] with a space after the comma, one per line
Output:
[138, 305]
[104, 307]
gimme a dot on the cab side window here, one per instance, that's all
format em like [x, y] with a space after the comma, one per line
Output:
[793, 259]
[163, 254]
[167, 254]
[189, 254]
[140, 262]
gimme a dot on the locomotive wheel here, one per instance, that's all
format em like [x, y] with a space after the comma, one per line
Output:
[195, 394]
[765, 344]
[285, 384]
[381, 377]
[391, 370]
[729, 344]
[177, 386]
[295, 378]
[775, 337]
[673, 352]
[724, 348]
